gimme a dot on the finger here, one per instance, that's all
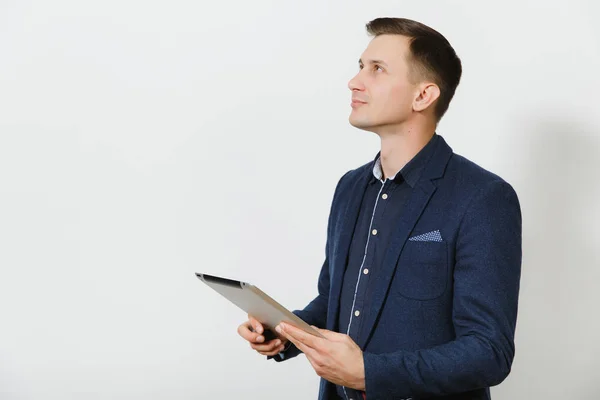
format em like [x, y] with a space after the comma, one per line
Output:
[312, 360]
[244, 330]
[308, 351]
[269, 346]
[330, 335]
[299, 335]
[256, 325]
[272, 353]
[300, 345]
[287, 336]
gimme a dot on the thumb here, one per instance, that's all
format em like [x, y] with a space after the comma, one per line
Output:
[256, 325]
[328, 334]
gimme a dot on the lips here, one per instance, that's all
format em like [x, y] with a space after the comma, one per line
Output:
[356, 103]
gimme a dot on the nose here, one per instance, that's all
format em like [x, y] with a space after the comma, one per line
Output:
[355, 83]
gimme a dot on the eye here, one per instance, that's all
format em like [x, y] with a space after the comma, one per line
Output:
[375, 67]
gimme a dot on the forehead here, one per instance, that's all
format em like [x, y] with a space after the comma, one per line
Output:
[391, 49]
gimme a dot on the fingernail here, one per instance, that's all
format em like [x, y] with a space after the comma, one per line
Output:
[259, 329]
[260, 339]
[278, 342]
[278, 328]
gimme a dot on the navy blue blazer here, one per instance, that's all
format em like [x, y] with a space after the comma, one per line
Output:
[444, 311]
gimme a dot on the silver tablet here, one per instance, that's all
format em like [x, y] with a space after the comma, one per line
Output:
[256, 303]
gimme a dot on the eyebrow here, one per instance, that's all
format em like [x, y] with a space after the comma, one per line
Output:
[360, 61]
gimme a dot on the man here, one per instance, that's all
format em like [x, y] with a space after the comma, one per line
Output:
[419, 289]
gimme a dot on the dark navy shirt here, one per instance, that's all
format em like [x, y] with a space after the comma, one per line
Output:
[382, 206]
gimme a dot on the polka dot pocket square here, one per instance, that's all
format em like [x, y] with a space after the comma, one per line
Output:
[433, 236]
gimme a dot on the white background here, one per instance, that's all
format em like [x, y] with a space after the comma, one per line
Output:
[141, 142]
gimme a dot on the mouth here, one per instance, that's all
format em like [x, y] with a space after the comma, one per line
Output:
[356, 103]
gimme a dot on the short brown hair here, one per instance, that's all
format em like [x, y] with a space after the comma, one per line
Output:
[431, 56]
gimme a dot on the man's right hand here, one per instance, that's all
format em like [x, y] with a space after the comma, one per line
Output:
[252, 331]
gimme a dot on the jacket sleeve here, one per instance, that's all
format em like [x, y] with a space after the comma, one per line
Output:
[315, 313]
[487, 274]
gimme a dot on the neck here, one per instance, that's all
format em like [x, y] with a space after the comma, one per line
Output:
[399, 146]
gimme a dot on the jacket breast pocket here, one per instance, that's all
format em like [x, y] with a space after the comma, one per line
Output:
[422, 270]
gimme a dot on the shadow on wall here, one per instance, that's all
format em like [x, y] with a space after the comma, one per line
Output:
[557, 346]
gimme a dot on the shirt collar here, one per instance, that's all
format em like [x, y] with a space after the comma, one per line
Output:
[411, 172]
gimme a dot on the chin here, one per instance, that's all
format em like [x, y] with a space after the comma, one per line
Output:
[360, 123]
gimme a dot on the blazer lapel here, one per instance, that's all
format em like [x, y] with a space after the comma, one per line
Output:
[342, 247]
[415, 206]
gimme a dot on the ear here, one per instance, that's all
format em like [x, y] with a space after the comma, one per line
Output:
[427, 95]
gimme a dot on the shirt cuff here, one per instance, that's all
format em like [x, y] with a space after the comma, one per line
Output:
[287, 346]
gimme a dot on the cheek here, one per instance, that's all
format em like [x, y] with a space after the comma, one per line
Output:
[394, 100]
[391, 105]
[401, 96]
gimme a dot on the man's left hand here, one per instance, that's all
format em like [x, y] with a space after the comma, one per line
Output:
[337, 358]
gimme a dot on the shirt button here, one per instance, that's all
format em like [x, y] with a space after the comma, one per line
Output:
[357, 313]
[384, 196]
[366, 271]
[374, 231]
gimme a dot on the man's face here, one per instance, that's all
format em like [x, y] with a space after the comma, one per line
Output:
[382, 93]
